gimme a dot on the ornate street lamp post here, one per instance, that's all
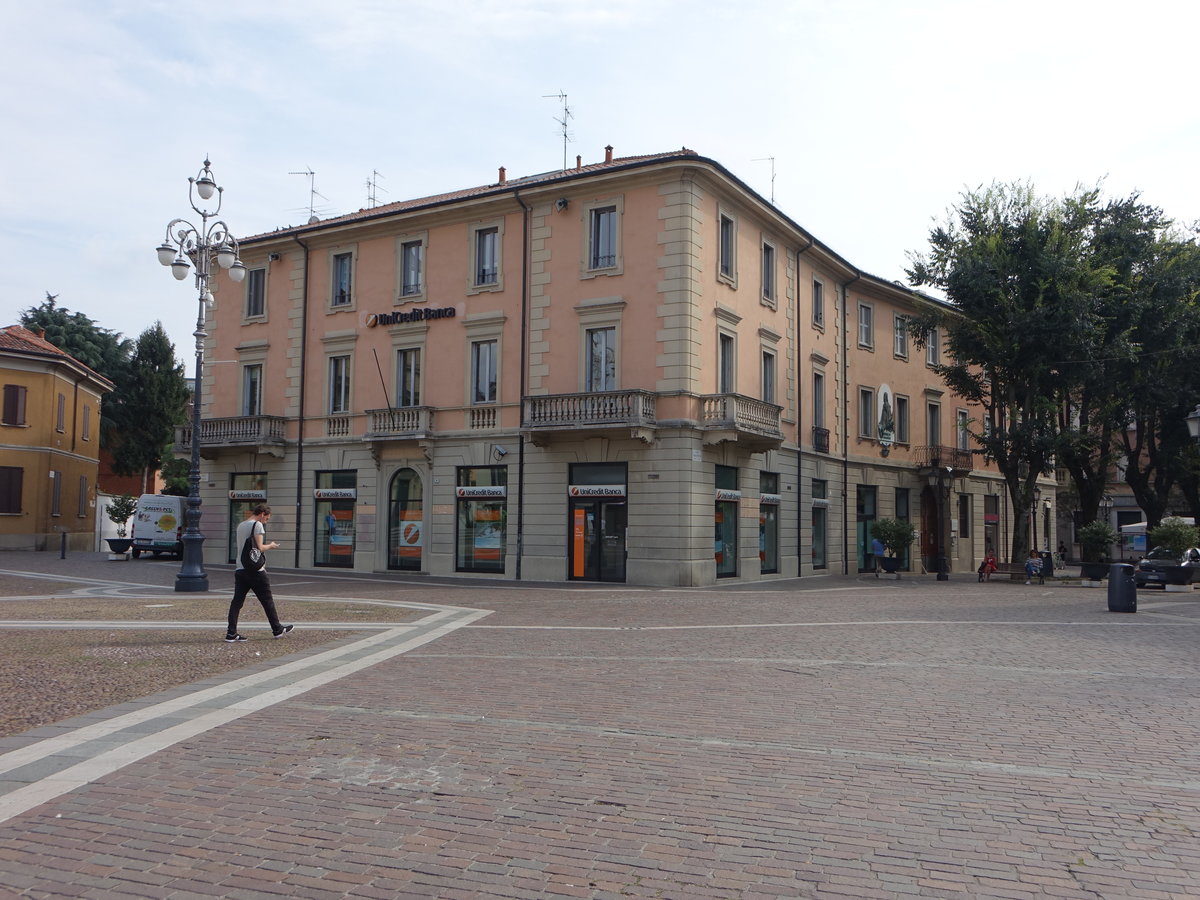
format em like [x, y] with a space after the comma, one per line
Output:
[185, 242]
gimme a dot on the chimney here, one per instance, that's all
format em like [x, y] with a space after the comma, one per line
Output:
[41, 332]
[608, 153]
[503, 176]
[578, 163]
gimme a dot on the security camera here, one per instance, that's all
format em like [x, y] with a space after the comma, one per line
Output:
[560, 204]
[500, 452]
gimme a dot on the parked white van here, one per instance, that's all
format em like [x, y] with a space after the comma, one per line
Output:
[158, 525]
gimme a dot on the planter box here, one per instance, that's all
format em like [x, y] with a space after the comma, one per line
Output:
[1093, 571]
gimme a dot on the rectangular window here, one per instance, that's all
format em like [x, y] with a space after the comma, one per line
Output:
[818, 398]
[768, 376]
[487, 263]
[820, 524]
[866, 412]
[87, 423]
[932, 350]
[900, 341]
[725, 518]
[483, 372]
[14, 404]
[768, 273]
[725, 364]
[866, 326]
[408, 377]
[83, 496]
[933, 426]
[10, 489]
[481, 521]
[603, 241]
[341, 279]
[768, 522]
[964, 516]
[602, 359]
[963, 431]
[818, 304]
[256, 293]
[726, 245]
[334, 525]
[901, 420]
[252, 390]
[410, 263]
[60, 417]
[55, 493]
[339, 384]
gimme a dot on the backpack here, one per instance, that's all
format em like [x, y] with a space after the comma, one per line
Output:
[253, 559]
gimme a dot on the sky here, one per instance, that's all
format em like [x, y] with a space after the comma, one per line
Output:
[878, 114]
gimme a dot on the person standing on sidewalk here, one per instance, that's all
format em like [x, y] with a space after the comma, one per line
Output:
[244, 581]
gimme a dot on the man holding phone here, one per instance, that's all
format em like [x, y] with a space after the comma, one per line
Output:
[246, 580]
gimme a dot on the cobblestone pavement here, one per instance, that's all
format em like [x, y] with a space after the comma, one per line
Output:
[834, 737]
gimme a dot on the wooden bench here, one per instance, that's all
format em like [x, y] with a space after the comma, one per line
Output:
[1014, 571]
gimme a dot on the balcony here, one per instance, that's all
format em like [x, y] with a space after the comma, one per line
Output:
[750, 423]
[591, 413]
[961, 461]
[407, 423]
[820, 439]
[266, 434]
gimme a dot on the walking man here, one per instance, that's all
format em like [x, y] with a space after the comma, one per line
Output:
[245, 580]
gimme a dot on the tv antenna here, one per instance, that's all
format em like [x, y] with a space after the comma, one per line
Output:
[372, 187]
[567, 115]
[313, 194]
[770, 159]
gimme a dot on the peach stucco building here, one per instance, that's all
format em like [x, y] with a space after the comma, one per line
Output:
[637, 370]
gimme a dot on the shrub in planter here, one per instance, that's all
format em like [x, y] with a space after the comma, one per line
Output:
[1095, 539]
[1175, 534]
[120, 510]
[897, 536]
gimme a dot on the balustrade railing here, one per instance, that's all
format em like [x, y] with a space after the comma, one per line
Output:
[634, 408]
[742, 413]
[235, 431]
[934, 456]
[397, 422]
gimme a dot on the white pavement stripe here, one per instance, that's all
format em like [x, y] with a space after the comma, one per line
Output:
[38, 792]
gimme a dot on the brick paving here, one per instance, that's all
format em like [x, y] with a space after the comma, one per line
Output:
[837, 737]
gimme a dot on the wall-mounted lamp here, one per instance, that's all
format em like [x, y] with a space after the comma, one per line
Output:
[499, 452]
[561, 203]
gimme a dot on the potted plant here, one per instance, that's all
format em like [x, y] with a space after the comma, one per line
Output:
[1177, 536]
[1095, 539]
[119, 511]
[897, 536]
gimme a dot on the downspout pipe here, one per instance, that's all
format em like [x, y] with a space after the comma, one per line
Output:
[524, 379]
[846, 424]
[800, 507]
[300, 413]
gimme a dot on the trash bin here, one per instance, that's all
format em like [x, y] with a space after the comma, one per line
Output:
[1122, 592]
[1047, 564]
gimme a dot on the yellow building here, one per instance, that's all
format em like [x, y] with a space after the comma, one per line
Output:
[49, 444]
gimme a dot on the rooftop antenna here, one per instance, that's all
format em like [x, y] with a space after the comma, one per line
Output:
[372, 187]
[567, 115]
[312, 194]
[772, 161]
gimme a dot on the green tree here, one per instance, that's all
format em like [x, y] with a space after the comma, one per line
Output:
[100, 349]
[1021, 283]
[152, 401]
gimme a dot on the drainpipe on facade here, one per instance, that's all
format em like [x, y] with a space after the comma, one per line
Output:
[300, 414]
[524, 370]
[800, 419]
[846, 426]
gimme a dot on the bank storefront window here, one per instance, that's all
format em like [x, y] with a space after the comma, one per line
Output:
[334, 498]
[246, 491]
[405, 514]
[481, 521]
[725, 533]
[768, 522]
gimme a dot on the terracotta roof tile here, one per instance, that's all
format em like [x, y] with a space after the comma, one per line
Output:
[19, 339]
